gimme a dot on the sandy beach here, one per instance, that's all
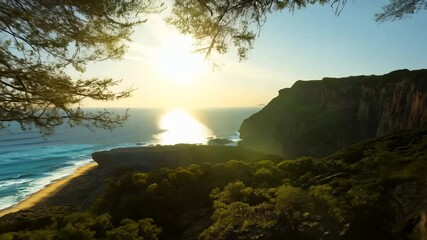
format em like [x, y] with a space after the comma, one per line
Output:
[48, 191]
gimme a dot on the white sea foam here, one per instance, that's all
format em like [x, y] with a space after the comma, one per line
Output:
[235, 138]
[8, 201]
[35, 185]
[13, 182]
[56, 175]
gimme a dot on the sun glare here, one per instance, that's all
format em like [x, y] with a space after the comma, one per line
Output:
[178, 126]
[176, 62]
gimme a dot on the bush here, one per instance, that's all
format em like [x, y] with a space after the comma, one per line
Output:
[130, 230]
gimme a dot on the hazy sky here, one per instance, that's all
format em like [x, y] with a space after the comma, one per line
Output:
[310, 44]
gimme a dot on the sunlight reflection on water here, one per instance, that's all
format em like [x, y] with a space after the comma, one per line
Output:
[179, 126]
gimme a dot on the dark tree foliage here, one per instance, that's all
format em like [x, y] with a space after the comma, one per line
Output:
[398, 9]
[42, 41]
[217, 24]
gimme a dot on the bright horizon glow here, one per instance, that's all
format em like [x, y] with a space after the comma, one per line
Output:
[178, 126]
[176, 62]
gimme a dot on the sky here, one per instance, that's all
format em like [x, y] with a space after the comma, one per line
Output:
[309, 44]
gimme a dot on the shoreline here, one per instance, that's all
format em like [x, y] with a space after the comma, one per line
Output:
[48, 191]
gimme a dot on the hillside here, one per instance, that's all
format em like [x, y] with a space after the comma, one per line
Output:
[375, 189]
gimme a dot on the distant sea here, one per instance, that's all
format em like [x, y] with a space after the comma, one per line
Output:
[29, 162]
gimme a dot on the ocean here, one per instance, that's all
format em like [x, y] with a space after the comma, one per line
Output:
[29, 162]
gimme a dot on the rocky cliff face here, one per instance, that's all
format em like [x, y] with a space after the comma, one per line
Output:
[315, 118]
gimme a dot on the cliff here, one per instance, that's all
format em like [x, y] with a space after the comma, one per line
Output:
[316, 118]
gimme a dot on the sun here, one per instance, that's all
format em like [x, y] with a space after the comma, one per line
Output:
[176, 62]
[179, 126]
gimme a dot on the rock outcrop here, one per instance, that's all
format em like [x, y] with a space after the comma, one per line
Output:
[316, 118]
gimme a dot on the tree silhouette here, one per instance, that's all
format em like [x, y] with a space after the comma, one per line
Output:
[398, 9]
[42, 41]
[216, 24]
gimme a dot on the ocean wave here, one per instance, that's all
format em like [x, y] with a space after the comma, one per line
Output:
[47, 153]
[9, 201]
[13, 182]
[25, 187]
[56, 175]
[8, 140]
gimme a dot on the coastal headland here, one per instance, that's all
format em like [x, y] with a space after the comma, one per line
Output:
[180, 155]
[319, 117]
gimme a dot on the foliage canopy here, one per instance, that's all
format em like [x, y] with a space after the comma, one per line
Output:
[216, 24]
[41, 42]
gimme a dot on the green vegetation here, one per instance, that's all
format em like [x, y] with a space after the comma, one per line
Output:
[371, 190]
[86, 226]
